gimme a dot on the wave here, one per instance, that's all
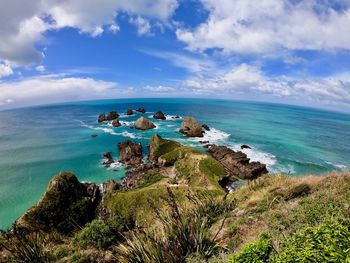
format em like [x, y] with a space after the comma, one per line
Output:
[256, 155]
[111, 131]
[338, 165]
[214, 135]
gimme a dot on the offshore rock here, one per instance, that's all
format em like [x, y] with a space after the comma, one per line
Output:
[130, 153]
[101, 117]
[141, 110]
[191, 127]
[112, 116]
[144, 124]
[159, 115]
[129, 112]
[116, 123]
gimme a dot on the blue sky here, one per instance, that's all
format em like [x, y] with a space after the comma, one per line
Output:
[287, 51]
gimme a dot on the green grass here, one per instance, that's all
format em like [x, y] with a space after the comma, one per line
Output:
[162, 146]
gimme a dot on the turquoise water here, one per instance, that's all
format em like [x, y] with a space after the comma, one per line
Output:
[38, 142]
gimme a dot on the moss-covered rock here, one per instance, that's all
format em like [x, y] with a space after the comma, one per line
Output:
[159, 146]
[66, 205]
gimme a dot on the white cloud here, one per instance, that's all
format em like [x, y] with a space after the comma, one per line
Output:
[40, 68]
[23, 23]
[251, 81]
[266, 26]
[143, 25]
[114, 28]
[5, 70]
[159, 89]
[52, 89]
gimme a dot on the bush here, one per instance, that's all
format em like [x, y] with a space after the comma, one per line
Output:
[328, 242]
[256, 252]
[184, 231]
[25, 246]
[98, 234]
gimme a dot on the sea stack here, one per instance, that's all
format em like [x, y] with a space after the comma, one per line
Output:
[112, 116]
[191, 127]
[101, 117]
[159, 115]
[130, 153]
[144, 124]
[141, 110]
[129, 112]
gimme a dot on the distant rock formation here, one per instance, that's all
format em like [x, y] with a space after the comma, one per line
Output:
[108, 159]
[144, 124]
[102, 117]
[116, 123]
[205, 127]
[112, 116]
[129, 112]
[244, 146]
[237, 164]
[130, 153]
[159, 115]
[141, 110]
[191, 127]
[93, 135]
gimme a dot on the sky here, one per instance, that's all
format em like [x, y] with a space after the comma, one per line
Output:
[280, 51]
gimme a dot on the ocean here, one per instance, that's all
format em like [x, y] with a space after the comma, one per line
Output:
[38, 142]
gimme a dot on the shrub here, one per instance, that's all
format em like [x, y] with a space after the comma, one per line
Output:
[98, 234]
[328, 242]
[184, 231]
[25, 246]
[255, 252]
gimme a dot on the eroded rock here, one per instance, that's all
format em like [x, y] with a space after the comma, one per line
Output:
[130, 153]
[159, 115]
[191, 127]
[144, 124]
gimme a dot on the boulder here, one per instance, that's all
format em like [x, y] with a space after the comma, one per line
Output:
[204, 142]
[93, 135]
[237, 164]
[144, 124]
[102, 117]
[107, 159]
[116, 123]
[129, 112]
[244, 146]
[191, 127]
[141, 110]
[130, 153]
[110, 186]
[205, 127]
[159, 115]
[112, 116]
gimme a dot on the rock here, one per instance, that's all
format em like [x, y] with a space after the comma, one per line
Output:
[244, 146]
[102, 117]
[130, 153]
[175, 117]
[135, 177]
[141, 110]
[204, 142]
[191, 127]
[159, 115]
[112, 116]
[110, 186]
[237, 164]
[66, 205]
[205, 127]
[116, 123]
[129, 112]
[94, 135]
[144, 124]
[108, 159]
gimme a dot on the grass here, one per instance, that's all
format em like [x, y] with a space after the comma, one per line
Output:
[162, 146]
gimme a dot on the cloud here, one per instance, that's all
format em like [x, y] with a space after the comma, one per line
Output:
[23, 23]
[143, 25]
[251, 81]
[191, 63]
[5, 70]
[40, 68]
[53, 89]
[256, 27]
[159, 89]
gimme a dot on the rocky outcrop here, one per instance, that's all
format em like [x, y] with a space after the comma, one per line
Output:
[129, 112]
[206, 127]
[116, 123]
[159, 115]
[141, 110]
[191, 127]
[237, 164]
[244, 146]
[130, 153]
[101, 117]
[144, 124]
[93, 135]
[107, 159]
[110, 186]
[66, 205]
[112, 116]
